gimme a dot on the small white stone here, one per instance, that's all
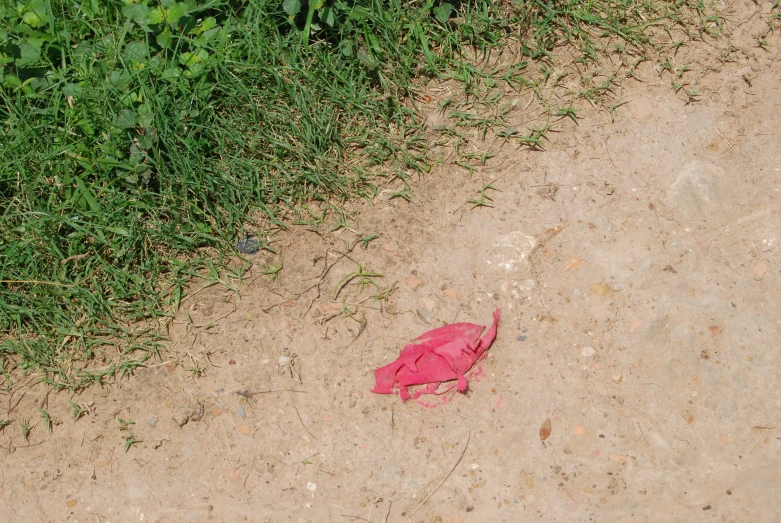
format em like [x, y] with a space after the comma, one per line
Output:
[311, 487]
[587, 352]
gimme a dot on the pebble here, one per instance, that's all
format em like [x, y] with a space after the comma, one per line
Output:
[572, 263]
[241, 412]
[452, 294]
[760, 269]
[617, 458]
[389, 247]
[243, 429]
[219, 402]
[217, 411]
[413, 283]
[521, 338]
[617, 378]
[587, 352]
[189, 450]
[311, 487]
[576, 292]
[152, 421]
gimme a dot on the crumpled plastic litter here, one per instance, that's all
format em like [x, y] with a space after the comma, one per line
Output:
[440, 355]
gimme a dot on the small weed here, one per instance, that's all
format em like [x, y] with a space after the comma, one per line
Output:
[365, 240]
[482, 199]
[567, 112]
[130, 440]
[382, 295]
[273, 271]
[47, 420]
[26, 428]
[612, 108]
[4, 423]
[363, 278]
[79, 410]
[405, 195]
[466, 166]
[124, 424]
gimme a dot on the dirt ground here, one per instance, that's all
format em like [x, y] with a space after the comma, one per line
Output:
[636, 266]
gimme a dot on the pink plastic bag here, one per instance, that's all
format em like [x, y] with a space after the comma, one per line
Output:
[443, 354]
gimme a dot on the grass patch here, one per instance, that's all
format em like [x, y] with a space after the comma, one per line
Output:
[138, 136]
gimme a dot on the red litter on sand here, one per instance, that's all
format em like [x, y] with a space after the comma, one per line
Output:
[443, 354]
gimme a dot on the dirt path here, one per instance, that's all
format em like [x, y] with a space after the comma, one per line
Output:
[636, 265]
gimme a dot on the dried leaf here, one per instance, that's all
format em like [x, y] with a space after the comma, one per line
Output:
[545, 430]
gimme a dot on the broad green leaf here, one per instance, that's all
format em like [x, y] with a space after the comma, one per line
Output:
[188, 59]
[34, 12]
[194, 70]
[34, 19]
[136, 51]
[136, 12]
[39, 84]
[119, 77]
[207, 35]
[292, 7]
[171, 74]
[327, 17]
[207, 24]
[29, 54]
[443, 12]
[148, 139]
[126, 119]
[164, 39]
[145, 115]
[175, 12]
[155, 16]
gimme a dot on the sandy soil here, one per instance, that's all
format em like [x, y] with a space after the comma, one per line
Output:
[636, 265]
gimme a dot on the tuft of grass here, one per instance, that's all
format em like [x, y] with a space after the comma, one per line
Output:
[483, 199]
[124, 424]
[47, 419]
[138, 137]
[366, 240]
[130, 440]
[273, 271]
[26, 427]
[79, 410]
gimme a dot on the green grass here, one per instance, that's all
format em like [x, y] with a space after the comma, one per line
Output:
[138, 136]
